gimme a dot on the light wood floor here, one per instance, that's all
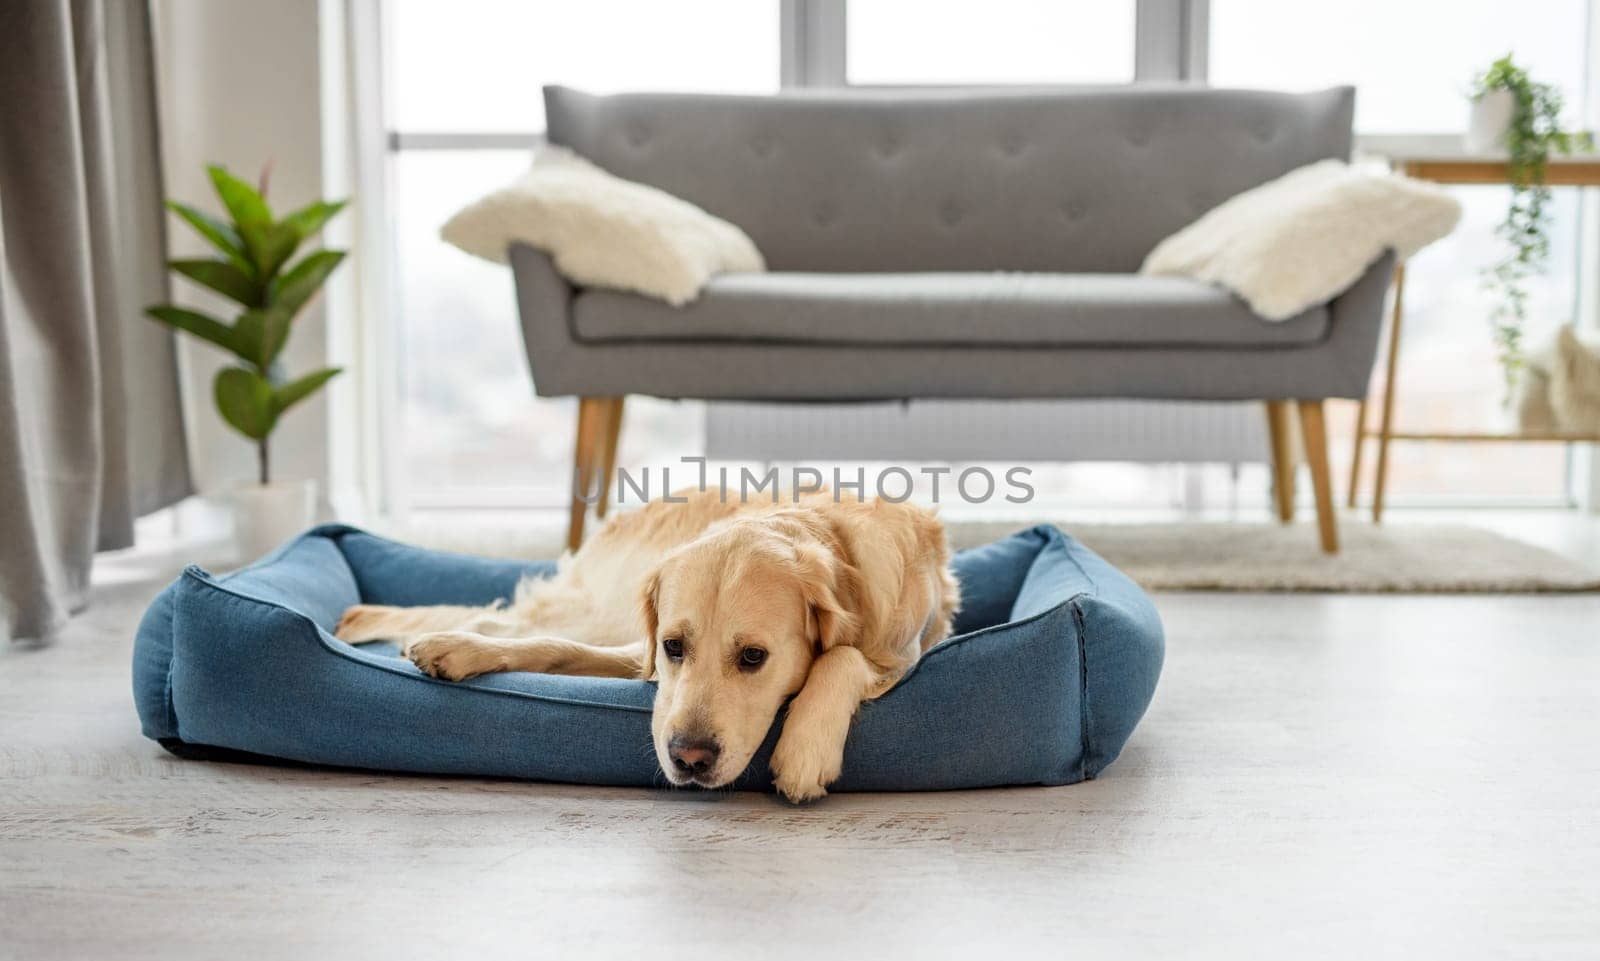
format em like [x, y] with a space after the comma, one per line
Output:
[1319, 777]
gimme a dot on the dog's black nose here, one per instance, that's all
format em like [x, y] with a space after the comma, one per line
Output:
[693, 755]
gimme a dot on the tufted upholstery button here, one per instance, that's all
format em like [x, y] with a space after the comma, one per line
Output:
[761, 145]
[638, 135]
[1074, 209]
[1263, 131]
[950, 213]
[1138, 137]
[887, 149]
[823, 214]
[1011, 144]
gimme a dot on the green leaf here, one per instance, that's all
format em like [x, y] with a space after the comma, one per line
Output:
[226, 279]
[296, 391]
[245, 401]
[260, 335]
[196, 323]
[222, 236]
[301, 282]
[1533, 135]
[269, 244]
[310, 218]
[244, 204]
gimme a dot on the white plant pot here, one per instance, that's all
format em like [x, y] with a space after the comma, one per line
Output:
[1489, 120]
[266, 515]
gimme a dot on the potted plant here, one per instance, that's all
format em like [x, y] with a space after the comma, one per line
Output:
[1511, 111]
[253, 393]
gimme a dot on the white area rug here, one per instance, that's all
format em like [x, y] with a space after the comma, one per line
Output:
[1397, 558]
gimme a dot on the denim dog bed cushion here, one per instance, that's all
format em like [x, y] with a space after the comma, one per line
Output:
[1054, 659]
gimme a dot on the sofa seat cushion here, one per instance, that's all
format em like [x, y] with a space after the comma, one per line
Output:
[956, 309]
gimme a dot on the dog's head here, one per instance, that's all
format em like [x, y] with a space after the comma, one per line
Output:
[734, 620]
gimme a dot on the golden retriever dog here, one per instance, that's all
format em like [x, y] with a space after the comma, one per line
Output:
[733, 608]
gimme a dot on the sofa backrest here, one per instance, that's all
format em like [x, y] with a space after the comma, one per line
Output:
[1085, 180]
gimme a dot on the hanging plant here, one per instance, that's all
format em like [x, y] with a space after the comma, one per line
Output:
[1531, 136]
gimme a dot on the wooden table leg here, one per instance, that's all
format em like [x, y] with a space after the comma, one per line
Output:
[1386, 421]
[1355, 455]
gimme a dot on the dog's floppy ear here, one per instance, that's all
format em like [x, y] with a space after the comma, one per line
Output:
[651, 617]
[832, 589]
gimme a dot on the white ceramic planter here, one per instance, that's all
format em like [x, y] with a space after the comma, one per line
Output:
[266, 515]
[1488, 122]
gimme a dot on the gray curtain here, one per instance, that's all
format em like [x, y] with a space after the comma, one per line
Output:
[91, 430]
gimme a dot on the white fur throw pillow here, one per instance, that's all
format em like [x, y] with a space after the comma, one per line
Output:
[1304, 238]
[603, 231]
[1574, 372]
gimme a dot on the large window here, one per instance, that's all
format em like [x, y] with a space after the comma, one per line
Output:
[1412, 64]
[470, 430]
[1411, 61]
[478, 65]
[461, 110]
[996, 41]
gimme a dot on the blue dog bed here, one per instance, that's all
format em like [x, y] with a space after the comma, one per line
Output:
[1054, 660]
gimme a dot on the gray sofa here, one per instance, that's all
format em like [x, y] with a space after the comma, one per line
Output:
[952, 244]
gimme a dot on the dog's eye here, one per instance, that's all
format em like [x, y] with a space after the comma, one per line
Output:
[751, 658]
[673, 648]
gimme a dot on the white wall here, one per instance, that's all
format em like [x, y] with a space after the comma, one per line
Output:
[240, 85]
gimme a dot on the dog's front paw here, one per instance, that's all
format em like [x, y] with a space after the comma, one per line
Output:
[802, 769]
[451, 657]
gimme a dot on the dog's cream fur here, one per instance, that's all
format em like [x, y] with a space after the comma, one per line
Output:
[840, 596]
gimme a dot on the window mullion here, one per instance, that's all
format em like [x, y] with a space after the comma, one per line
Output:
[812, 43]
[1171, 40]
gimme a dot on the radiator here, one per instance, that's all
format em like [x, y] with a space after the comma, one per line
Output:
[973, 430]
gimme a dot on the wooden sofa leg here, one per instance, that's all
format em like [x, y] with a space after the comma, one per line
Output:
[1314, 434]
[1281, 433]
[585, 458]
[608, 452]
